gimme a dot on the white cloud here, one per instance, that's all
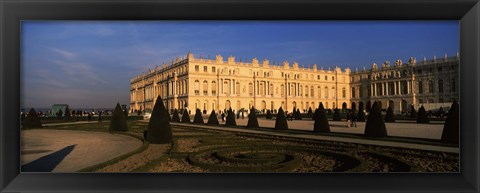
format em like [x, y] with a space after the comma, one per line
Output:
[65, 54]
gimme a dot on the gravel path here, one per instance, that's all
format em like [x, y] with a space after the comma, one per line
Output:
[89, 148]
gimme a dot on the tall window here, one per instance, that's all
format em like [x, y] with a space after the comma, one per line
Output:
[214, 87]
[430, 86]
[250, 89]
[420, 87]
[306, 89]
[205, 87]
[453, 85]
[344, 93]
[213, 69]
[440, 86]
[353, 92]
[205, 69]
[270, 89]
[237, 88]
[261, 89]
[282, 90]
[326, 92]
[311, 92]
[197, 87]
[197, 68]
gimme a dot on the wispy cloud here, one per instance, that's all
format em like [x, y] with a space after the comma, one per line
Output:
[79, 72]
[64, 53]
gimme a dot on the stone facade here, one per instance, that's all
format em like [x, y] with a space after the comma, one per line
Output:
[219, 84]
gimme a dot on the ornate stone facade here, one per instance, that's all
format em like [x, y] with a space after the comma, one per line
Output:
[218, 84]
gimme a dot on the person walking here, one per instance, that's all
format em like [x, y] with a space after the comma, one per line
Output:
[354, 120]
[349, 117]
[223, 117]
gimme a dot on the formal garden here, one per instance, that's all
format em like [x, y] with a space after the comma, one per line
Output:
[181, 143]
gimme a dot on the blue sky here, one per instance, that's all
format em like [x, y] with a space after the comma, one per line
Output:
[90, 63]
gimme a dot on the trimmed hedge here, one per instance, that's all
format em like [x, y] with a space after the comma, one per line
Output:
[175, 117]
[185, 116]
[198, 119]
[375, 126]
[213, 120]
[32, 120]
[118, 121]
[422, 116]
[269, 115]
[159, 131]
[281, 120]
[321, 124]
[451, 128]
[230, 118]
[252, 119]
[336, 115]
[390, 117]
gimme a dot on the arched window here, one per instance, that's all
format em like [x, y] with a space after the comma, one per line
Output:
[205, 87]
[226, 88]
[237, 88]
[440, 86]
[420, 87]
[214, 87]
[261, 88]
[430, 86]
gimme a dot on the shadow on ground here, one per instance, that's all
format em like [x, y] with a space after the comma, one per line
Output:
[49, 162]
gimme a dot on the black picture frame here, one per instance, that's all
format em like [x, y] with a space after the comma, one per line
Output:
[12, 12]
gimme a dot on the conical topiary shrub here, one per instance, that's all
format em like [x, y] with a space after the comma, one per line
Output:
[230, 118]
[32, 120]
[118, 121]
[159, 131]
[321, 122]
[212, 120]
[185, 116]
[361, 114]
[422, 116]
[310, 112]
[390, 117]
[269, 115]
[297, 115]
[68, 115]
[413, 113]
[336, 115]
[451, 128]
[375, 126]
[252, 119]
[281, 120]
[198, 119]
[175, 117]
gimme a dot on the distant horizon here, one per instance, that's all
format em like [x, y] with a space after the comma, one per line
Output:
[89, 64]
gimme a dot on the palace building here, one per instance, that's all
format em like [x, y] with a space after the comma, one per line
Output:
[218, 84]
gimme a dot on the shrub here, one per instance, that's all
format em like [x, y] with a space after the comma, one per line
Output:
[185, 116]
[390, 117]
[252, 119]
[68, 115]
[230, 118]
[413, 113]
[451, 128]
[212, 120]
[422, 116]
[198, 119]
[310, 112]
[159, 131]
[118, 121]
[321, 122]
[375, 126]
[281, 120]
[175, 117]
[32, 120]
[336, 115]
[269, 115]
[297, 115]
[361, 114]
[59, 114]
